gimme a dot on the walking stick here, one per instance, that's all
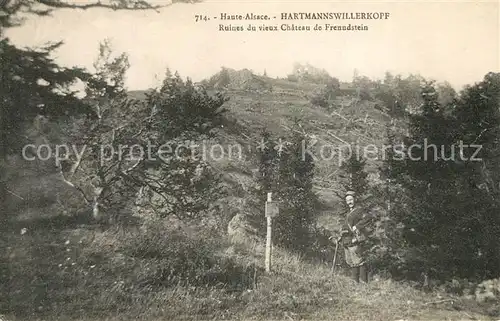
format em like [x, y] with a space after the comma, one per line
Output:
[335, 256]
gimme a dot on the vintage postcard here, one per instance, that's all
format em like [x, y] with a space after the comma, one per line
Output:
[249, 160]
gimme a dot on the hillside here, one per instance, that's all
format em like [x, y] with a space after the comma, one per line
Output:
[237, 79]
[346, 120]
[166, 269]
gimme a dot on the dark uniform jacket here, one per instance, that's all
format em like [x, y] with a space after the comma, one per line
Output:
[354, 236]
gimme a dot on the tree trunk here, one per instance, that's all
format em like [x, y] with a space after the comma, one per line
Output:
[96, 214]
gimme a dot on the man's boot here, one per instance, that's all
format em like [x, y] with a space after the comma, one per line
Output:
[354, 271]
[363, 273]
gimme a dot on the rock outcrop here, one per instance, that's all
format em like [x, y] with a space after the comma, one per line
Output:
[488, 290]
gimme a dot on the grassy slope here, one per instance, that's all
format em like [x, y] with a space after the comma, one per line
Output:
[295, 290]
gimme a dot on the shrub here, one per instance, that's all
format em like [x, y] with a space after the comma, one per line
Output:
[175, 258]
[319, 99]
[322, 248]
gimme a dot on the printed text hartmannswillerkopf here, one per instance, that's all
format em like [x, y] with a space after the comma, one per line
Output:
[334, 15]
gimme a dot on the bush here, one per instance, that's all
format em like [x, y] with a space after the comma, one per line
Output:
[174, 258]
[322, 249]
[319, 99]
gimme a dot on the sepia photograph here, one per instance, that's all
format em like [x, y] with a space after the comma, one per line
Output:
[249, 160]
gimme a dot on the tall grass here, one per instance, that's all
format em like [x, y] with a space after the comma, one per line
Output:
[165, 274]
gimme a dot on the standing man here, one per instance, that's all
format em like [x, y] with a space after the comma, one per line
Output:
[354, 239]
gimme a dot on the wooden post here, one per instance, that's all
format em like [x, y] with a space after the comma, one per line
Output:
[272, 210]
[269, 234]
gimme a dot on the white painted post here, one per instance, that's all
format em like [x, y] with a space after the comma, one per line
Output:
[268, 235]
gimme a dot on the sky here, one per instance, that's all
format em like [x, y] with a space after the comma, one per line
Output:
[454, 41]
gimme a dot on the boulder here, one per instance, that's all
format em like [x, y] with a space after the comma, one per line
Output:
[241, 226]
[488, 290]
[244, 228]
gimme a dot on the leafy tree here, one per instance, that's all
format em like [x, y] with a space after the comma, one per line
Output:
[390, 251]
[320, 98]
[268, 165]
[448, 200]
[364, 85]
[97, 144]
[391, 168]
[32, 85]
[326, 94]
[386, 93]
[426, 177]
[178, 180]
[355, 176]
[287, 173]
[478, 125]
[333, 88]
[447, 96]
[400, 95]
[106, 142]
[223, 79]
[185, 110]
[116, 161]
[295, 224]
